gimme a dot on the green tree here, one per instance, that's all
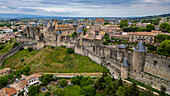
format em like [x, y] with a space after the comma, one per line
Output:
[106, 23]
[123, 24]
[34, 89]
[162, 37]
[163, 26]
[150, 27]
[134, 89]
[47, 93]
[63, 83]
[59, 92]
[163, 90]
[164, 47]
[15, 30]
[88, 90]
[168, 28]
[120, 91]
[70, 50]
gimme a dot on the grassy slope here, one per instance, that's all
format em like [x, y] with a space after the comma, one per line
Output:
[52, 60]
[7, 47]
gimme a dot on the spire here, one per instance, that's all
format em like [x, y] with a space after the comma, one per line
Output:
[122, 46]
[125, 62]
[80, 30]
[45, 23]
[28, 25]
[59, 32]
[140, 47]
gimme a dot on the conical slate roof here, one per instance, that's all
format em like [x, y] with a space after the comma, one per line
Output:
[125, 62]
[45, 23]
[80, 30]
[84, 26]
[58, 32]
[28, 25]
[140, 47]
[122, 46]
[75, 23]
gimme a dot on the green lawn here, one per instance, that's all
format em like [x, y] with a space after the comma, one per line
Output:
[52, 60]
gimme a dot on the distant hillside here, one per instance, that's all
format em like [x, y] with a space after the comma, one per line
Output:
[52, 60]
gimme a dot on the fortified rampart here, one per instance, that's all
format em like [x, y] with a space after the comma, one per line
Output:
[121, 62]
[10, 53]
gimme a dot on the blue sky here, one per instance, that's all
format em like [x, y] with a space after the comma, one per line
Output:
[86, 8]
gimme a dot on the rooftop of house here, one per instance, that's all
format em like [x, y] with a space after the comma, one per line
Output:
[10, 91]
[2, 93]
[143, 33]
[33, 76]
[23, 83]
[4, 70]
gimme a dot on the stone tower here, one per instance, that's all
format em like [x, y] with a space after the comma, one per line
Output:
[86, 21]
[58, 37]
[80, 31]
[125, 69]
[139, 57]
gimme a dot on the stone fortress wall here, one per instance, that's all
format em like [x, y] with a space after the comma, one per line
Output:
[10, 53]
[139, 64]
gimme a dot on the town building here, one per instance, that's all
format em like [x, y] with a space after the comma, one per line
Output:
[86, 21]
[9, 91]
[5, 71]
[33, 79]
[99, 21]
[145, 37]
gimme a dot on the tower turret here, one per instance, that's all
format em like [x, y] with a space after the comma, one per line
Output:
[139, 57]
[125, 69]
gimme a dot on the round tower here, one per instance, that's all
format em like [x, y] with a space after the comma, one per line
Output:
[125, 69]
[139, 57]
[58, 37]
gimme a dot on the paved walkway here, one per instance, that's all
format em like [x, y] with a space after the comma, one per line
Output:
[70, 75]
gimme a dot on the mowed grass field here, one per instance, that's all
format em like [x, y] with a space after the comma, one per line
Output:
[52, 60]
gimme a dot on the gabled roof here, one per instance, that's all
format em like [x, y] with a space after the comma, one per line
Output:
[125, 62]
[10, 91]
[33, 76]
[58, 32]
[140, 47]
[80, 30]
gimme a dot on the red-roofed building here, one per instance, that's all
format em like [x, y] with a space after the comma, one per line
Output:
[146, 37]
[10, 91]
[99, 21]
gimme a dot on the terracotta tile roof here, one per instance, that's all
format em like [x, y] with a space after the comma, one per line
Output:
[143, 33]
[23, 83]
[4, 70]
[124, 36]
[10, 91]
[33, 76]
[65, 29]
[2, 93]
[63, 26]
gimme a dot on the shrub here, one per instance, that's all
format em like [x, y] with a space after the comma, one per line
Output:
[22, 60]
[70, 50]
[20, 49]
[63, 46]
[47, 94]
[63, 83]
[30, 49]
